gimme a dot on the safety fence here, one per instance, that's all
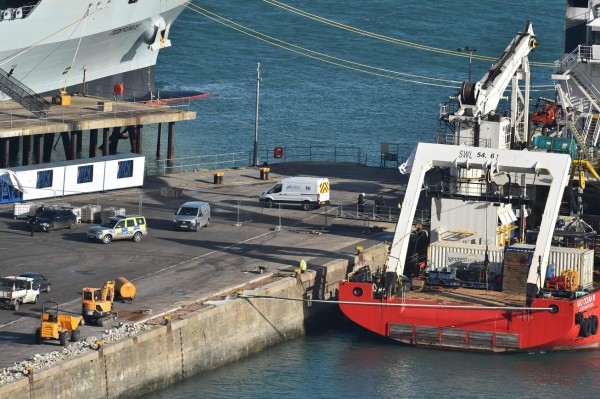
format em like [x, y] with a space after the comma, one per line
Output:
[379, 213]
[239, 159]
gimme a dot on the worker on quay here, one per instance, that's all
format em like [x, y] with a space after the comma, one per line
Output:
[302, 266]
[33, 224]
[361, 202]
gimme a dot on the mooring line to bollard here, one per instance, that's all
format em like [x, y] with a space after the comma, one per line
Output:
[405, 305]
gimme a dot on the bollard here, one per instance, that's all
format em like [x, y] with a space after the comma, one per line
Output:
[218, 177]
[264, 173]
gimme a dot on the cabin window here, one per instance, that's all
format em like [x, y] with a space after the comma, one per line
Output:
[44, 179]
[125, 169]
[85, 174]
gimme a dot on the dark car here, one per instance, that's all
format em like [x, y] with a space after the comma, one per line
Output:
[38, 281]
[52, 219]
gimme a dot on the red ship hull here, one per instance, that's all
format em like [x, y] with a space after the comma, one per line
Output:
[572, 323]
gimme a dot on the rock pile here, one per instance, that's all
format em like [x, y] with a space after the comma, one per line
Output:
[37, 362]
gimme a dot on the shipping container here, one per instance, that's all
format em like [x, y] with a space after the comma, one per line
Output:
[442, 254]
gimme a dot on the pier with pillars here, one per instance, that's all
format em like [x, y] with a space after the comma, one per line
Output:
[106, 121]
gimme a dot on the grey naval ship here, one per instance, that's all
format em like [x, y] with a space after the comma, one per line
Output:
[89, 47]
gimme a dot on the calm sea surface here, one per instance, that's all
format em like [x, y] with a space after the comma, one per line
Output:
[307, 102]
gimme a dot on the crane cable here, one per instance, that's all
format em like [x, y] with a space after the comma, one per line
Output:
[386, 38]
[317, 55]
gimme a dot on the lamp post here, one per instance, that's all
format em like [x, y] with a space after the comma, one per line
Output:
[255, 158]
[469, 50]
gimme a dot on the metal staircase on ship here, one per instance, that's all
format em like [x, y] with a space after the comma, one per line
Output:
[23, 95]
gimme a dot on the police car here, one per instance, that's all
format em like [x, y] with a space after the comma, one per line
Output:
[125, 227]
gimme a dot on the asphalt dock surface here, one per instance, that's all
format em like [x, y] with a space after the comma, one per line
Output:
[172, 268]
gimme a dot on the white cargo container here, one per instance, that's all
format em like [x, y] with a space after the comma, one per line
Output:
[442, 254]
[580, 260]
[79, 176]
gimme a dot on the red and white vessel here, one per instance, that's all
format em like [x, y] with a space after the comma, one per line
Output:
[480, 291]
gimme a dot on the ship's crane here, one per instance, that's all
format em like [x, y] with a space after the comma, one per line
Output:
[475, 120]
[553, 168]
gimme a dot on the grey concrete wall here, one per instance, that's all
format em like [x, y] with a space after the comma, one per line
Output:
[209, 338]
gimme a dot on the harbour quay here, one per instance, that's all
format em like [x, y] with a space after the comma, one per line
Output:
[199, 301]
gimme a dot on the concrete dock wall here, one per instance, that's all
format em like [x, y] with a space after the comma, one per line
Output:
[208, 338]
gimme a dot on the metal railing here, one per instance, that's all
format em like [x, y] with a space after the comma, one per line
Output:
[381, 213]
[121, 109]
[227, 160]
[323, 154]
[245, 158]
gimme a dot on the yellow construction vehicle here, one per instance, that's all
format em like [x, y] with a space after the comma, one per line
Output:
[57, 326]
[96, 304]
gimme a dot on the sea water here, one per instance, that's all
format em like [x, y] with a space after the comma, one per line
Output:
[306, 102]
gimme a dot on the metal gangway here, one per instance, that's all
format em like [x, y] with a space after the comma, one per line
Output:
[23, 95]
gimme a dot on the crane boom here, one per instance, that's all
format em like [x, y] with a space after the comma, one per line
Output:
[481, 98]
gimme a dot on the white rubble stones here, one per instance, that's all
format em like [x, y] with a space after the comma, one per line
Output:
[41, 361]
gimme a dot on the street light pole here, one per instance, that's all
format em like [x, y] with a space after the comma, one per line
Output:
[470, 50]
[255, 159]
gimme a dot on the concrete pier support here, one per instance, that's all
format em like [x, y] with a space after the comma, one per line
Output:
[14, 144]
[78, 144]
[105, 141]
[4, 153]
[68, 145]
[171, 144]
[48, 143]
[158, 140]
[37, 148]
[93, 143]
[138, 139]
[26, 150]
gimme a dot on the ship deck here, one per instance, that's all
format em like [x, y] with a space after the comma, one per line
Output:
[467, 296]
[473, 297]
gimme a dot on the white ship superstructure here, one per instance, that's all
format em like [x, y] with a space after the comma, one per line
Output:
[50, 45]
[577, 79]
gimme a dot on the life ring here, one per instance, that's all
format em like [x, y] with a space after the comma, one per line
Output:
[118, 89]
[277, 152]
[594, 322]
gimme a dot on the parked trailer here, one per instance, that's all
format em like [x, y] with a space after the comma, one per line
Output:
[56, 179]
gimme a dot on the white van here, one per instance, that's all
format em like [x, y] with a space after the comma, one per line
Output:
[308, 192]
[192, 216]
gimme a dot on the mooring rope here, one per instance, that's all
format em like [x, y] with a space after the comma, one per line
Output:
[404, 305]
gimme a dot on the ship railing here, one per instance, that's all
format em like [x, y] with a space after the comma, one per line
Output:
[450, 138]
[379, 213]
[580, 54]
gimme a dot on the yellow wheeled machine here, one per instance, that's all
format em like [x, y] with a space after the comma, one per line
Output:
[57, 326]
[97, 304]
